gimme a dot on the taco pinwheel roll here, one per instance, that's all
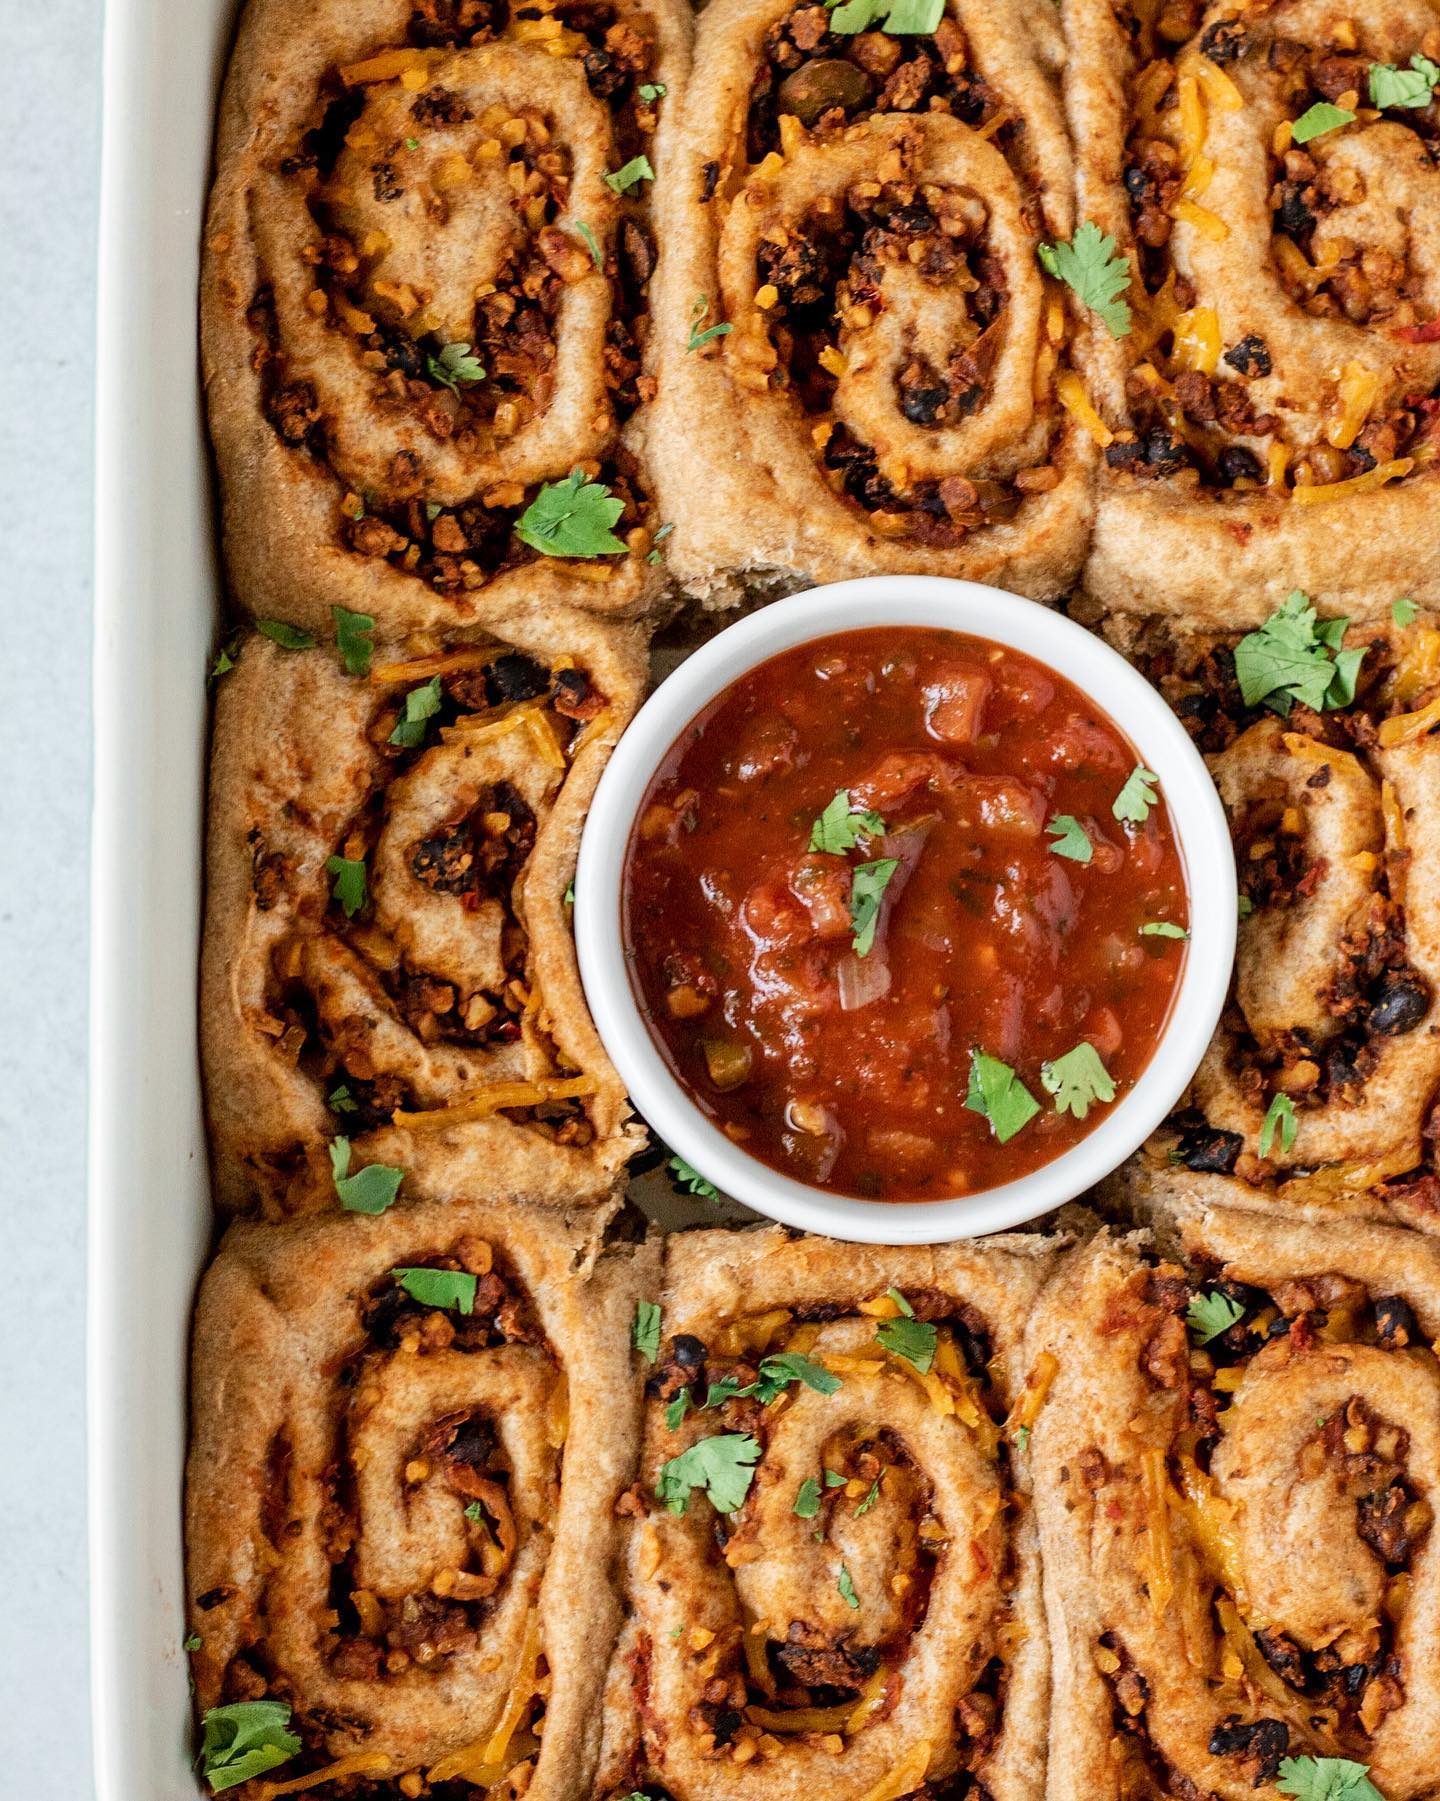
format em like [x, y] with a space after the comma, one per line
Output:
[387, 940]
[1269, 170]
[425, 304]
[1320, 1083]
[832, 1577]
[409, 1434]
[859, 357]
[1235, 1473]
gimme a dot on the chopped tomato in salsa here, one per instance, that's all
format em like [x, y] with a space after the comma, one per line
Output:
[905, 913]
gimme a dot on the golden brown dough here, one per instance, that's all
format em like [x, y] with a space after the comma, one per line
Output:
[1336, 822]
[1239, 1561]
[380, 1532]
[397, 185]
[1274, 407]
[887, 1634]
[449, 1002]
[857, 353]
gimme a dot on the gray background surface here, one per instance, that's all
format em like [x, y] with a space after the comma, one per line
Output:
[50, 103]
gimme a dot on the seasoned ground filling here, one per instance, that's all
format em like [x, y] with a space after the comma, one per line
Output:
[1374, 994]
[800, 1677]
[477, 858]
[827, 79]
[1195, 419]
[373, 1637]
[1295, 1699]
[351, 168]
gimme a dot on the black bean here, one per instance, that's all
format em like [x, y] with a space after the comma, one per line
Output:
[1237, 463]
[1395, 1322]
[1404, 1001]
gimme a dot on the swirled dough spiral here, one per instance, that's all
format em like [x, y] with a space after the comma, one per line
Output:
[1273, 412]
[451, 999]
[1240, 1565]
[400, 1518]
[905, 1595]
[398, 188]
[858, 355]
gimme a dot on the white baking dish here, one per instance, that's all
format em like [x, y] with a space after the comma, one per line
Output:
[156, 603]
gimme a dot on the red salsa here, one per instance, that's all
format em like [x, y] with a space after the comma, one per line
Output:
[905, 913]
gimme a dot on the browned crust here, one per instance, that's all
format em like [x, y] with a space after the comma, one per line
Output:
[280, 506]
[277, 1312]
[291, 762]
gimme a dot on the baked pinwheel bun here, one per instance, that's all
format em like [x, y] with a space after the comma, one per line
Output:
[1235, 1473]
[833, 1574]
[387, 940]
[1269, 171]
[426, 300]
[859, 357]
[409, 1435]
[1320, 1083]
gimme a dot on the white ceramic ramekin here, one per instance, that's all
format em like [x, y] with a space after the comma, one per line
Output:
[1097, 671]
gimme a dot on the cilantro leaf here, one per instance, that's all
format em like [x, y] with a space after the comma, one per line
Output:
[1279, 1116]
[420, 704]
[1244, 906]
[1162, 928]
[1077, 1079]
[369, 1190]
[679, 1406]
[870, 1499]
[229, 653]
[453, 1290]
[245, 1739]
[1403, 612]
[1135, 799]
[901, 18]
[998, 1094]
[638, 169]
[697, 337]
[645, 1333]
[341, 1100]
[807, 1499]
[1089, 265]
[653, 90]
[352, 636]
[192, 1642]
[288, 637]
[572, 519]
[779, 1371]
[912, 1339]
[1326, 1779]
[1410, 87]
[1321, 117]
[474, 1511]
[867, 886]
[1070, 839]
[1208, 1315]
[900, 1301]
[1296, 656]
[841, 827]
[1022, 1437]
[590, 244]
[847, 1589]
[692, 1181]
[453, 367]
[721, 1466]
[833, 1479]
[349, 887]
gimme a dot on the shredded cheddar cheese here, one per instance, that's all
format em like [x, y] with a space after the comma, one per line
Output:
[1072, 396]
[1316, 494]
[499, 1096]
[360, 1763]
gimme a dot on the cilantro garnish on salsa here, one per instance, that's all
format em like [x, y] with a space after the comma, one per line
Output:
[905, 913]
